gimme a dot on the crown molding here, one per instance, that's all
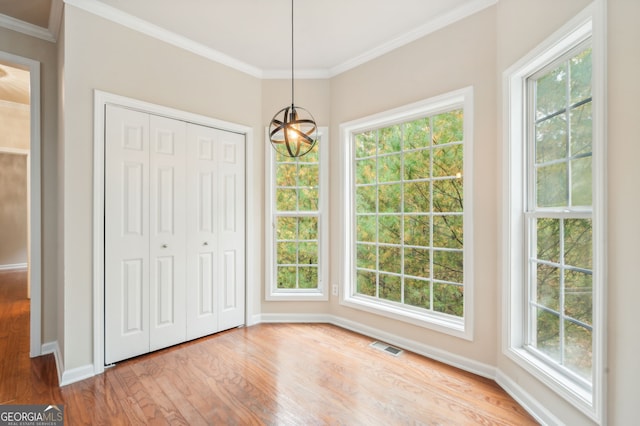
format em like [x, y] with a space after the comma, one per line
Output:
[115, 15]
[413, 35]
[26, 28]
[300, 74]
[49, 34]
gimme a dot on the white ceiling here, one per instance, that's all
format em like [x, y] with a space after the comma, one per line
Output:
[331, 36]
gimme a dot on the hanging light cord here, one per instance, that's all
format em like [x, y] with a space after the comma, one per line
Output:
[292, 103]
[293, 131]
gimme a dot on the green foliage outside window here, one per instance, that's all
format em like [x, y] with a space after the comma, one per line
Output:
[562, 295]
[408, 213]
[296, 225]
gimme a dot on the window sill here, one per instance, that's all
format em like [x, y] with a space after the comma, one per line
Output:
[442, 323]
[297, 295]
[569, 389]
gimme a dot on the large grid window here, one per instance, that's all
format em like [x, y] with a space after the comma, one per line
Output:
[406, 213]
[295, 236]
[409, 204]
[559, 213]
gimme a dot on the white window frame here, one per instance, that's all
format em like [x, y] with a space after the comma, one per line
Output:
[321, 293]
[460, 327]
[588, 24]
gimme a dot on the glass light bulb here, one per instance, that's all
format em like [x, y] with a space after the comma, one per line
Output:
[292, 132]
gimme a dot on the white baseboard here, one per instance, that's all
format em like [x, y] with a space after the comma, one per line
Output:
[463, 363]
[53, 348]
[529, 403]
[294, 318]
[428, 351]
[66, 377]
[77, 374]
[14, 267]
[253, 320]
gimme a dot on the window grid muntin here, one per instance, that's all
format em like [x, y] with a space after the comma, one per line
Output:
[431, 147]
[561, 213]
[297, 214]
[568, 107]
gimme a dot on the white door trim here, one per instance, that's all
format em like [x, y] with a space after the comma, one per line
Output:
[34, 201]
[100, 100]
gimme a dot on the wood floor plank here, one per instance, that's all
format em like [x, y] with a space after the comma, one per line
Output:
[284, 374]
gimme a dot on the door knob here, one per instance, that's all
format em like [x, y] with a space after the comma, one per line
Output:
[164, 246]
[205, 243]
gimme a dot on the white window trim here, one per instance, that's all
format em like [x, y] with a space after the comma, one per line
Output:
[459, 327]
[273, 293]
[588, 23]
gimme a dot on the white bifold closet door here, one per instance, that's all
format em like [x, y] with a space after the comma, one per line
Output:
[174, 232]
[215, 225]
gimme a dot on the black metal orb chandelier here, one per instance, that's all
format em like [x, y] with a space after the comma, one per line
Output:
[293, 131]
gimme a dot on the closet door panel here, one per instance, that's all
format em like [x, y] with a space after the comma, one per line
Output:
[126, 234]
[229, 281]
[205, 289]
[167, 221]
[202, 217]
[231, 188]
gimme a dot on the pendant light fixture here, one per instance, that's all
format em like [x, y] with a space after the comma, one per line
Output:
[293, 131]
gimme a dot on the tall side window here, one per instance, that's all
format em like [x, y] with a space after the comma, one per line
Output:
[554, 262]
[296, 229]
[559, 214]
[406, 219]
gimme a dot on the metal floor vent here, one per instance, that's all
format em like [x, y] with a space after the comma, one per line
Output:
[386, 348]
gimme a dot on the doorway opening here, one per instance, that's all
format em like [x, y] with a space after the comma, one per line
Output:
[20, 181]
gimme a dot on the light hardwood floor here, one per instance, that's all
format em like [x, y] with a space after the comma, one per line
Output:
[284, 374]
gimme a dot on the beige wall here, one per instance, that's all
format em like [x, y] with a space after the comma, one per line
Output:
[13, 209]
[455, 57]
[14, 128]
[313, 95]
[99, 54]
[14, 125]
[44, 52]
[623, 291]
